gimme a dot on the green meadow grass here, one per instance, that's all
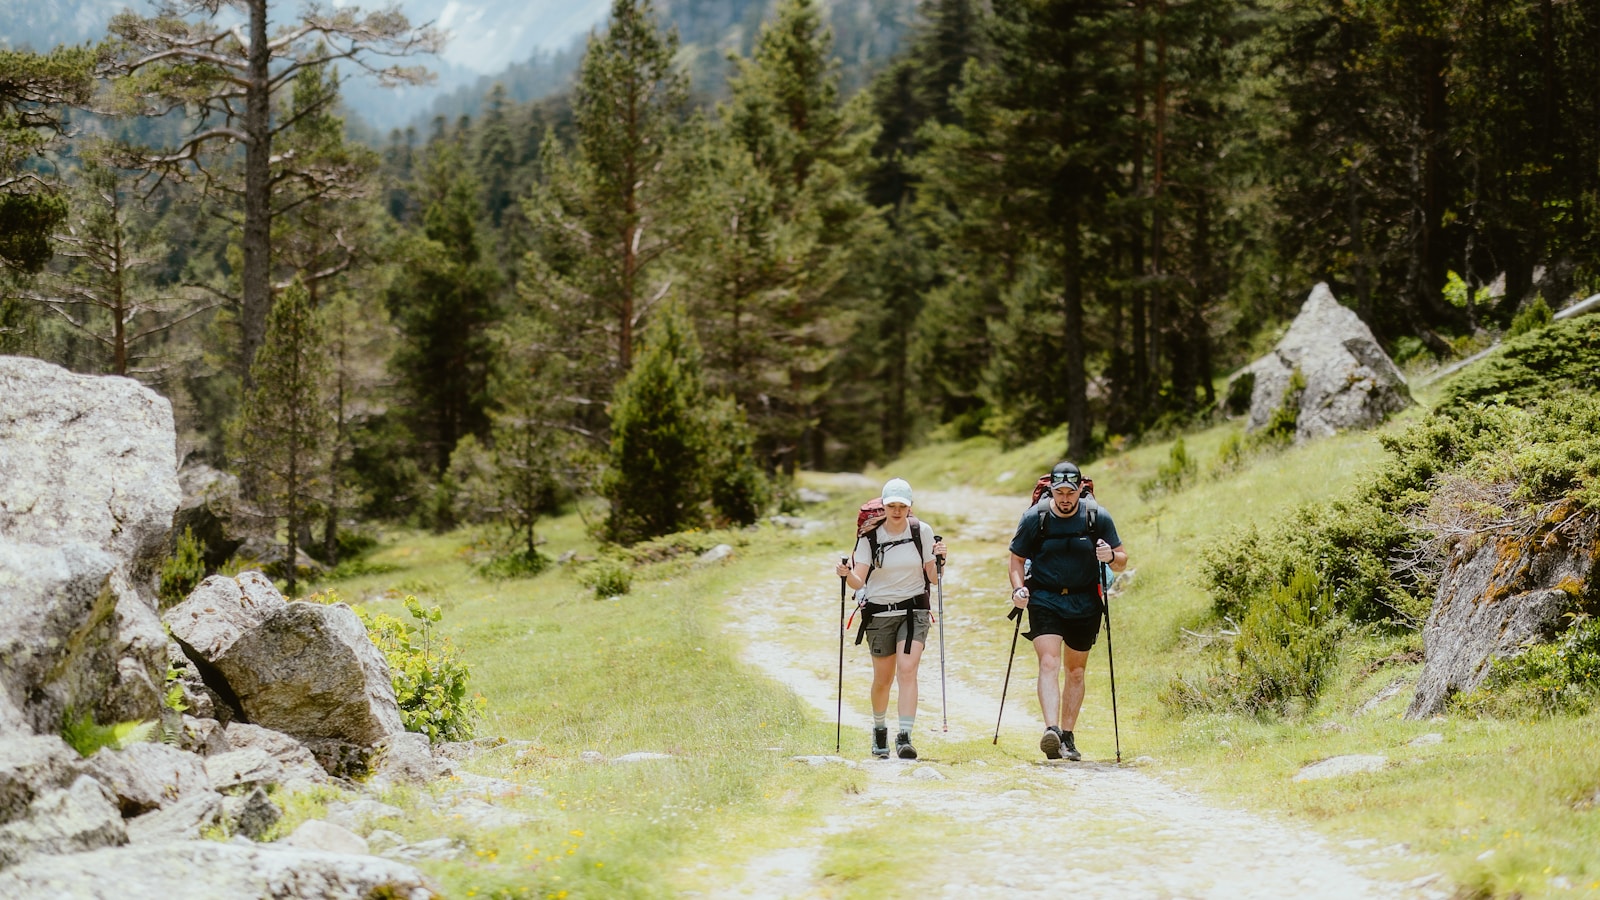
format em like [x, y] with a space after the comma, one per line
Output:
[654, 670]
[649, 671]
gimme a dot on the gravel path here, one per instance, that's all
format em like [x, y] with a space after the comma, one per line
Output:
[1016, 829]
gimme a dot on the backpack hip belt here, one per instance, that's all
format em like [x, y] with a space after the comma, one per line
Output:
[870, 609]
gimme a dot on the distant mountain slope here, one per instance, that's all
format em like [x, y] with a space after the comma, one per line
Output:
[42, 24]
[531, 47]
[865, 32]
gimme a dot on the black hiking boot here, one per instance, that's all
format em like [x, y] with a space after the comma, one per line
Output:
[1068, 748]
[880, 743]
[902, 746]
[1050, 743]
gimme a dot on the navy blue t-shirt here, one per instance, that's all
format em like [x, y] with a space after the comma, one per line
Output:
[1064, 559]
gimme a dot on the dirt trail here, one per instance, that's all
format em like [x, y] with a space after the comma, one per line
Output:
[1029, 828]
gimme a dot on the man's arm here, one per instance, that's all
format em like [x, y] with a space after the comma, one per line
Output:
[1019, 593]
[1115, 556]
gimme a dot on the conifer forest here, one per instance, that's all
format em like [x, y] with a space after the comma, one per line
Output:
[680, 275]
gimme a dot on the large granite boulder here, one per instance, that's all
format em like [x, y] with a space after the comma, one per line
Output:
[1496, 598]
[1349, 381]
[183, 869]
[86, 506]
[305, 669]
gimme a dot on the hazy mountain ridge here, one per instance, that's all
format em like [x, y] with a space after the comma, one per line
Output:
[531, 49]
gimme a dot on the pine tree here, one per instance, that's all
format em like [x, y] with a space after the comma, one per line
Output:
[532, 453]
[281, 436]
[656, 472]
[443, 303]
[814, 151]
[34, 90]
[602, 221]
[102, 285]
[188, 54]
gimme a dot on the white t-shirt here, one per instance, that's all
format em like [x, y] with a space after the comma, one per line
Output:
[900, 576]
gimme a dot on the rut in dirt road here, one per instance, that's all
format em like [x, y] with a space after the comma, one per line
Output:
[1015, 826]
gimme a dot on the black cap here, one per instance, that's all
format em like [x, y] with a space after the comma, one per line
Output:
[1065, 473]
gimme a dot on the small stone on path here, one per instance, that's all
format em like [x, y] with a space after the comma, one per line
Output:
[641, 756]
[315, 834]
[924, 773]
[1426, 740]
[1337, 766]
[825, 761]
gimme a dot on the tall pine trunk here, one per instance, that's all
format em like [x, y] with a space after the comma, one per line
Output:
[257, 240]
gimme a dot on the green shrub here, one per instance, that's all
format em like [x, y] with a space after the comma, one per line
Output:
[656, 472]
[1347, 544]
[1559, 677]
[740, 490]
[1279, 661]
[1173, 475]
[607, 578]
[1230, 456]
[1533, 317]
[430, 680]
[1562, 358]
[82, 734]
[519, 563]
[183, 571]
[1240, 390]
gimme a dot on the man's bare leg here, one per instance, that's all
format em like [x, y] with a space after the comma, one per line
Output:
[1072, 689]
[1048, 648]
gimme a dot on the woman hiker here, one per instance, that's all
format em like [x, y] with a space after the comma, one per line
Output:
[1062, 596]
[894, 560]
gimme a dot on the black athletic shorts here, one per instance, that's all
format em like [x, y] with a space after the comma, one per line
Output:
[1078, 632]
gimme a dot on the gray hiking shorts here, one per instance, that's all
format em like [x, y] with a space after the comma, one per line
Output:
[887, 634]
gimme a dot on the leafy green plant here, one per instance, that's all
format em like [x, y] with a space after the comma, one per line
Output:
[183, 570]
[1240, 391]
[1563, 358]
[1559, 677]
[1458, 294]
[1173, 475]
[85, 736]
[1533, 317]
[1230, 456]
[607, 578]
[430, 679]
[1280, 658]
[517, 563]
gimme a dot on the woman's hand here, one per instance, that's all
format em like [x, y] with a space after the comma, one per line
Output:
[842, 570]
[939, 550]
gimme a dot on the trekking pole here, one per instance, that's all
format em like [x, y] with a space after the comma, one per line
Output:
[838, 722]
[1016, 613]
[1111, 660]
[944, 697]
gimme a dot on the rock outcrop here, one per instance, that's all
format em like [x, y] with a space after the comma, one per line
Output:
[1349, 381]
[307, 670]
[1497, 597]
[147, 777]
[212, 869]
[87, 494]
[86, 509]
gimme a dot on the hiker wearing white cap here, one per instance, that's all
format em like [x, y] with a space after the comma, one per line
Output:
[896, 554]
